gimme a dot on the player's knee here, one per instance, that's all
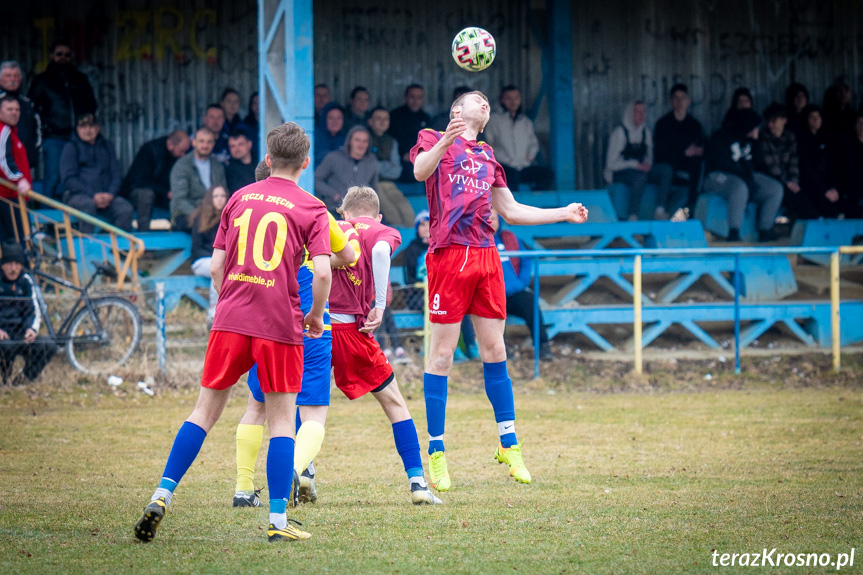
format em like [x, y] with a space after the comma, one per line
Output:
[441, 361]
[493, 351]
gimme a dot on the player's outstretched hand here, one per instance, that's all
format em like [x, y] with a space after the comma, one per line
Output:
[373, 321]
[454, 129]
[576, 213]
[314, 326]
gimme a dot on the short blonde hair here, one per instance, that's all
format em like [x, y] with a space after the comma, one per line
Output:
[361, 201]
[288, 146]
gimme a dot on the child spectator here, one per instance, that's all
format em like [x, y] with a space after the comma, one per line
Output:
[205, 223]
[777, 155]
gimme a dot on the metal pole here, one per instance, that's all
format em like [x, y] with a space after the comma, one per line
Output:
[535, 264]
[835, 336]
[161, 356]
[636, 305]
[737, 313]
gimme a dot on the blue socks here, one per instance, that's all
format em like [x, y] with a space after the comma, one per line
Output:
[498, 388]
[434, 390]
[186, 446]
[280, 475]
[408, 446]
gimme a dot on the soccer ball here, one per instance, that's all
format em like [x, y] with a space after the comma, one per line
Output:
[473, 49]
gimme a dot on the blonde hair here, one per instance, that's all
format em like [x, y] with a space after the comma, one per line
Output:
[361, 201]
[288, 145]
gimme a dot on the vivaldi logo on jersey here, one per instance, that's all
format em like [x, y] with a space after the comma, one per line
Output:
[470, 165]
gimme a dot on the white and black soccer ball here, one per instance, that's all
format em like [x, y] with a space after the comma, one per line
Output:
[473, 49]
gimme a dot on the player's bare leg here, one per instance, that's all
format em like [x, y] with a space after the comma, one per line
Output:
[407, 442]
[281, 412]
[498, 388]
[310, 437]
[444, 339]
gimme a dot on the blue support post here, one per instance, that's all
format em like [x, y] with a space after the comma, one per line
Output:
[560, 100]
[535, 264]
[161, 352]
[737, 313]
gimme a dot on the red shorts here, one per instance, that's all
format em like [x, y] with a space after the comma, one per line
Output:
[230, 355]
[465, 281]
[359, 365]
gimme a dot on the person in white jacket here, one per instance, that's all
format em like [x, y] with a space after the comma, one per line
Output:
[630, 162]
[513, 137]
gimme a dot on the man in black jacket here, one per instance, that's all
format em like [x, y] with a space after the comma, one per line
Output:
[20, 317]
[147, 183]
[61, 94]
[29, 130]
[678, 141]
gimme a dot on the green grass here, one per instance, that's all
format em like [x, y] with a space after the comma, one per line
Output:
[623, 483]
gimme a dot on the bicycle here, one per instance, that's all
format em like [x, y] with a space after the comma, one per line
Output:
[98, 333]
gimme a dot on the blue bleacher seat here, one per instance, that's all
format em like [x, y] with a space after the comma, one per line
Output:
[818, 233]
[712, 211]
[620, 198]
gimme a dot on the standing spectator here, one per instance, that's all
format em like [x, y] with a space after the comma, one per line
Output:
[252, 123]
[731, 174]
[839, 113]
[91, 177]
[240, 171]
[679, 142]
[29, 130]
[819, 196]
[330, 131]
[322, 98]
[515, 143]
[358, 108]
[796, 98]
[205, 224]
[61, 94]
[148, 182]
[191, 176]
[214, 120]
[406, 121]
[230, 104]
[516, 279]
[20, 317]
[630, 162]
[441, 121]
[777, 156]
[353, 165]
[14, 167]
[396, 209]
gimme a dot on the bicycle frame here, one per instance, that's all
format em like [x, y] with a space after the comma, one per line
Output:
[60, 336]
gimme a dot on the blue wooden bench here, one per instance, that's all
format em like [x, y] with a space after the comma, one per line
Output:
[712, 211]
[818, 233]
[620, 199]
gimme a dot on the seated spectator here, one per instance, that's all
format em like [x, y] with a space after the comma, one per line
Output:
[819, 164]
[853, 173]
[91, 177]
[148, 182]
[230, 104]
[20, 317]
[414, 261]
[240, 171]
[406, 121]
[515, 144]
[358, 108]
[353, 165]
[252, 124]
[14, 167]
[742, 99]
[678, 141]
[322, 98]
[796, 98]
[192, 176]
[777, 156]
[205, 223]
[839, 113]
[29, 131]
[214, 120]
[441, 121]
[329, 132]
[731, 174]
[630, 162]
[396, 209]
[61, 94]
[516, 278]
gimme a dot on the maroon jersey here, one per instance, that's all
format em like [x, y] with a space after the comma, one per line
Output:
[353, 290]
[265, 231]
[459, 191]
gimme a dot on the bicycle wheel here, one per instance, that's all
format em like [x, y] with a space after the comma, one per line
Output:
[90, 349]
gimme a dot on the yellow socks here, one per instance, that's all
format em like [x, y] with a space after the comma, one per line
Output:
[249, 439]
[310, 437]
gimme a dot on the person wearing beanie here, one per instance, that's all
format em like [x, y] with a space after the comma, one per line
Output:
[20, 318]
[731, 174]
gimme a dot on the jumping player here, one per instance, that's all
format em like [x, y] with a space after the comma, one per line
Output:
[262, 238]
[359, 365]
[463, 180]
[312, 401]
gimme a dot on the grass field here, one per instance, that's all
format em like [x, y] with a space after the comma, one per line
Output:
[623, 483]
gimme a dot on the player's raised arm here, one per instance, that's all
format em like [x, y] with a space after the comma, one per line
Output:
[321, 283]
[427, 162]
[523, 215]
